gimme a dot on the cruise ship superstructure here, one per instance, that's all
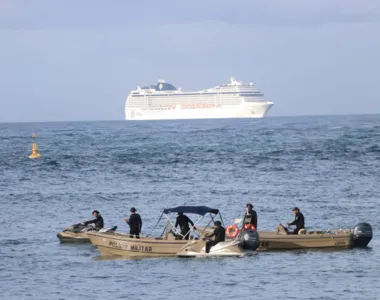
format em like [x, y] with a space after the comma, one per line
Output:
[163, 101]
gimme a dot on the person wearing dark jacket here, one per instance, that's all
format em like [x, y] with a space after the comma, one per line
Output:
[250, 216]
[135, 223]
[219, 234]
[183, 222]
[98, 221]
[299, 220]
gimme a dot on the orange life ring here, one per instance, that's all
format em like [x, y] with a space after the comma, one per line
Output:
[249, 226]
[232, 231]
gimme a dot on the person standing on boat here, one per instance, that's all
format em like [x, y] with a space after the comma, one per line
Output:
[135, 223]
[299, 220]
[98, 221]
[183, 222]
[219, 234]
[250, 216]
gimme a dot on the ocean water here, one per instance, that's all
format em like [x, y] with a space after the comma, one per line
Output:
[328, 166]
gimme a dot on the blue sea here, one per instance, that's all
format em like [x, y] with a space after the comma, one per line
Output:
[328, 166]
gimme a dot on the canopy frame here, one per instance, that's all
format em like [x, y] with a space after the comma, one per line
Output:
[201, 211]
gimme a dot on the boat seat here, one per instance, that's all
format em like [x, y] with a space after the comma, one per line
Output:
[169, 236]
[302, 231]
[281, 230]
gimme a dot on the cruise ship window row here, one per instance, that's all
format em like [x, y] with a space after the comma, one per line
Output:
[135, 102]
[195, 97]
[190, 99]
[197, 94]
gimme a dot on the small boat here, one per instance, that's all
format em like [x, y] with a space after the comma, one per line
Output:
[244, 244]
[169, 243]
[77, 233]
[281, 239]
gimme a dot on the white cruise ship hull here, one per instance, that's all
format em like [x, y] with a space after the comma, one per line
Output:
[165, 102]
[244, 110]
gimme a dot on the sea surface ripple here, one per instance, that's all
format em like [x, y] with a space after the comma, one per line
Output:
[328, 166]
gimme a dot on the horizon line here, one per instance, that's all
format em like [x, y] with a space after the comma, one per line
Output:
[120, 120]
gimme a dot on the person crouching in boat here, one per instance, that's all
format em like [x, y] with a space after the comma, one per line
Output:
[98, 221]
[183, 222]
[219, 234]
[135, 223]
[299, 220]
[250, 217]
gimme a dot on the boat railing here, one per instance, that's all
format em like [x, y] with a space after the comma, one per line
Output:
[176, 234]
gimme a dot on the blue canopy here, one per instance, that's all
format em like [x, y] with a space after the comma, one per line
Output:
[199, 210]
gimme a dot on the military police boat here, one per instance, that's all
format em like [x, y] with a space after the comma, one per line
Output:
[169, 243]
[282, 239]
[77, 233]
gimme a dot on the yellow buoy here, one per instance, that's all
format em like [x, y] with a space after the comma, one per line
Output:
[35, 153]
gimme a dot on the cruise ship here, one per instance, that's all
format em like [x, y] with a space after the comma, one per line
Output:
[164, 101]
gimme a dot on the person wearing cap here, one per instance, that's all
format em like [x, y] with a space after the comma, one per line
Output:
[299, 220]
[135, 223]
[98, 221]
[183, 222]
[250, 216]
[219, 234]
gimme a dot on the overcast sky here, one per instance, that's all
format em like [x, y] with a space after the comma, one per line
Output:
[78, 59]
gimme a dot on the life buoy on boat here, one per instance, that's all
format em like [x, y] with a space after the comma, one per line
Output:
[249, 226]
[232, 231]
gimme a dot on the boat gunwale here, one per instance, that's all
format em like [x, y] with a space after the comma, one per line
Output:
[305, 236]
[143, 240]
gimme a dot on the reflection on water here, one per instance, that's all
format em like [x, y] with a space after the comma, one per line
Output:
[328, 166]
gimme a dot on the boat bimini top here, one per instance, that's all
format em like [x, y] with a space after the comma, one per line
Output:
[201, 211]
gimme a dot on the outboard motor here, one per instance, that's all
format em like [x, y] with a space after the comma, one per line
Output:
[250, 239]
[362, 234]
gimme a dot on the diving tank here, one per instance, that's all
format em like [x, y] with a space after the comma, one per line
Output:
[250, 239]
[362, 234]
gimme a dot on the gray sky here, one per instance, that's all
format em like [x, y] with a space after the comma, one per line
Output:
[77, 60]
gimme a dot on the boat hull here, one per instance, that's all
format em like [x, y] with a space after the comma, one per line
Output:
[72, 237]
[245, 110]
[227, 248]
[273, 241]
[123, 245]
